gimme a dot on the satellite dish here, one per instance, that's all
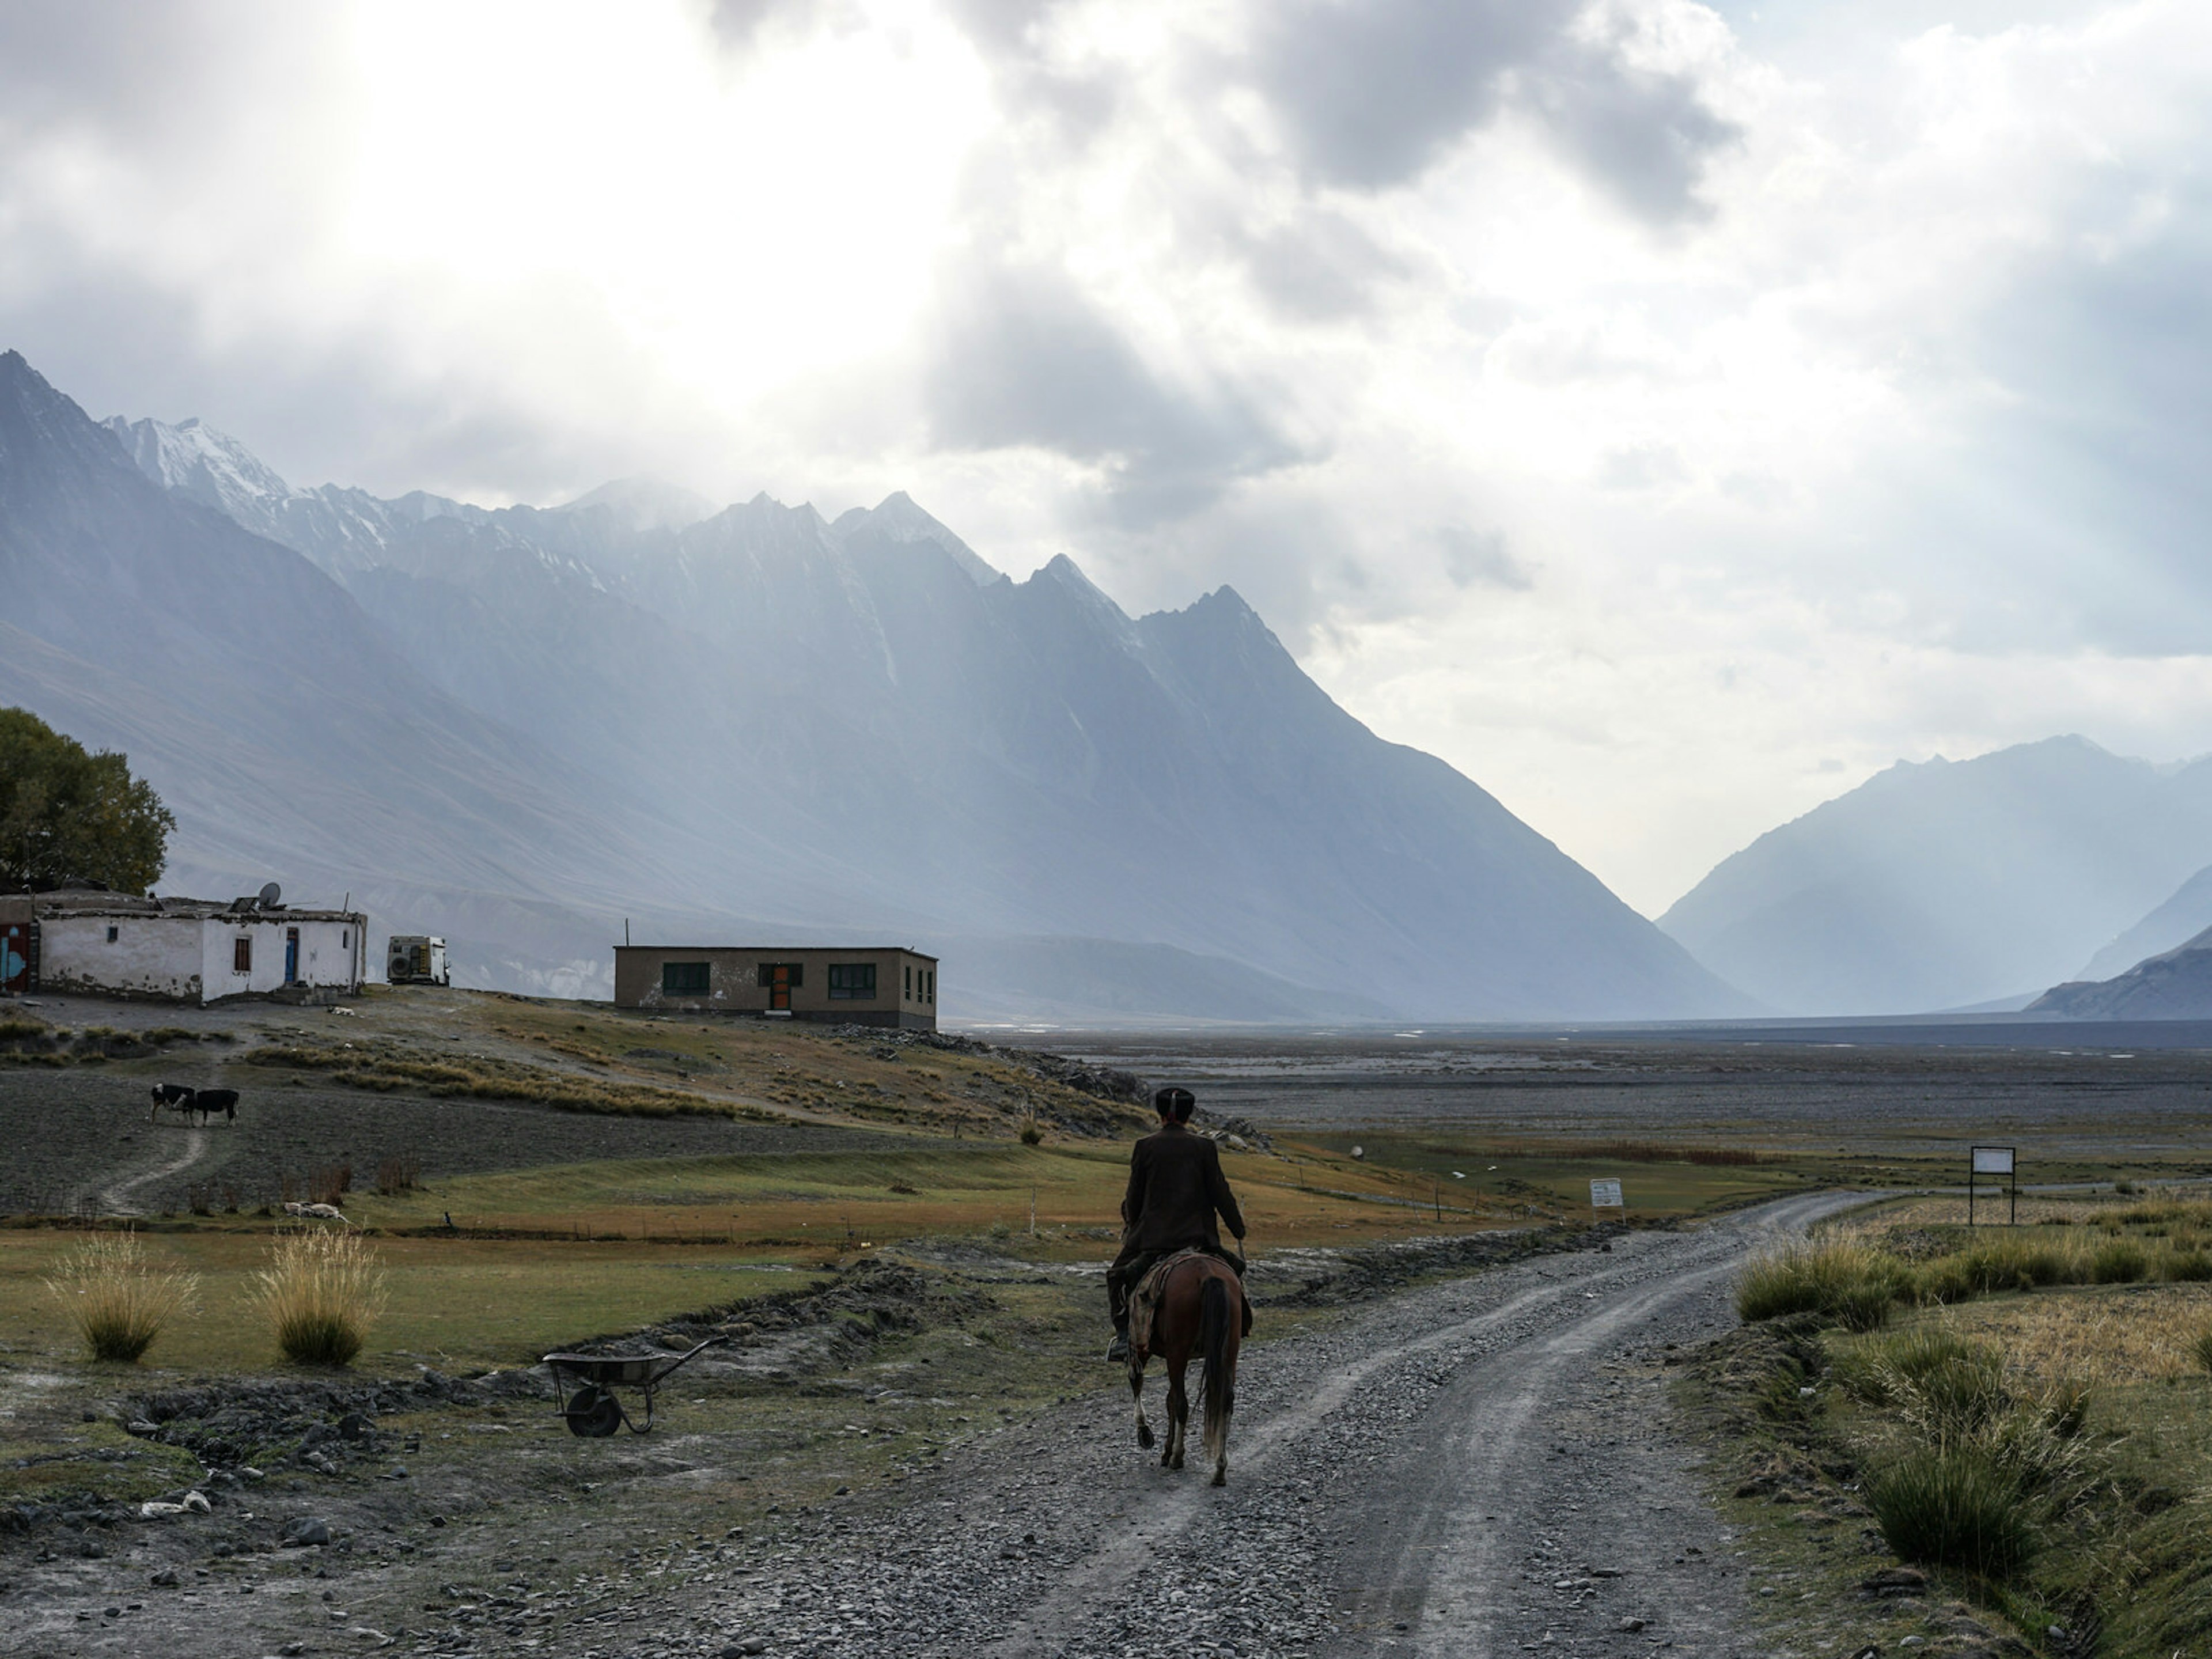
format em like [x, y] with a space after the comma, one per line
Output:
[270, 892]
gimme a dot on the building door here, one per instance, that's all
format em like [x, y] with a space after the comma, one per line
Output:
[15, 957]
[291, 956]
[779, 987]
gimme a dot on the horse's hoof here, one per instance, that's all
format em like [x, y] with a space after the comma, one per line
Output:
[1221, 1477]
[1145, 1436]
[1175, 1463]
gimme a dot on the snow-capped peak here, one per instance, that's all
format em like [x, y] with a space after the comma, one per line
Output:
[209, 466]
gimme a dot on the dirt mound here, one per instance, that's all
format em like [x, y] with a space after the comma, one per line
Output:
[1100, 1082]
[789, 1333]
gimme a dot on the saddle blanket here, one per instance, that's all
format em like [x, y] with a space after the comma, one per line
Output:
[1151, 1290]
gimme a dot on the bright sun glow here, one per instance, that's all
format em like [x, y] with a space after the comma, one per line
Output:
[740, 226]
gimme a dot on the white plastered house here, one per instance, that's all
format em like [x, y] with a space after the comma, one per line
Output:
[181, 950]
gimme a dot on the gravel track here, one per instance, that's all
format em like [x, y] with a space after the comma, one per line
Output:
[1480, 1467]
[115, 1199]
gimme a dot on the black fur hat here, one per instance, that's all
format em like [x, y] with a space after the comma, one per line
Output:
[1176, 1103]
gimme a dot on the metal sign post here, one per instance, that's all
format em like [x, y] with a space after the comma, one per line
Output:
[1606, 1195]
[1994, 1161]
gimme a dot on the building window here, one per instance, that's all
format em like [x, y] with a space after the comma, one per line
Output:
[241, 955]
[780, 973]
[683, 979]
[932, 997]
[909, 986]
[111, 936]
[852, 981]
[345, 939]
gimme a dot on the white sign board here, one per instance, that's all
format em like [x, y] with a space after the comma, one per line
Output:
[1992, 1160]
[1606, 1195]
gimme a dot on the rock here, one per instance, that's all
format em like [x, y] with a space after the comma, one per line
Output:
[305, 1532]
[750, 1645]
[1895, 1581]
[198, 1503]
[141, 1427]
[155, 1509]
[166, 1579]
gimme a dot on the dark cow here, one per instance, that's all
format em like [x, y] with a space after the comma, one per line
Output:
[177, 1097]
[207, 1102]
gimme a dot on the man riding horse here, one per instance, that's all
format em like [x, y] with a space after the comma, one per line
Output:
[1176, 1190]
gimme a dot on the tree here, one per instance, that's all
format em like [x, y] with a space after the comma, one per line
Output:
[69, 815]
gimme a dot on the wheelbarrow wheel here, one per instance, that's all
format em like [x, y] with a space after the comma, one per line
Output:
[593, 1413]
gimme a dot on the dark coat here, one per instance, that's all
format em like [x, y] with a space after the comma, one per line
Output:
[1175, 1188]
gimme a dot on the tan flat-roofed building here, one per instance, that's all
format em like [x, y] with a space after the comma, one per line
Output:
[858, 985]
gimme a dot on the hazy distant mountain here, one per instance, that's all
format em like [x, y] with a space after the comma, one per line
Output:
[2185, 913]
[1952, 883]
[643, 503]
[2175, 984]
[514, 726]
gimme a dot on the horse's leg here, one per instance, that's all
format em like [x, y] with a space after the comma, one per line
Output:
[1219, 1403]
[1178, 1412]
[1137, 1393]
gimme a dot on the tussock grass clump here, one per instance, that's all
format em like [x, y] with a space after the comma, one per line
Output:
[1953, 1507]
[2188, 1265]
[400, 1174]
[2012, 1263]
[2120, 1261]
[1848, 1283]
[320, 1292]
[118, 1300]
[2200, 1348]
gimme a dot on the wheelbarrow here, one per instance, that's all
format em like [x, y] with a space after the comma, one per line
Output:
[592, 1410]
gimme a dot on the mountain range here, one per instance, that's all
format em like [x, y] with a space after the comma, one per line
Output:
[521, 727]
[1953, 885]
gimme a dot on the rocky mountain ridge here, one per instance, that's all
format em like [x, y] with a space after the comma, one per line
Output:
[515, 726]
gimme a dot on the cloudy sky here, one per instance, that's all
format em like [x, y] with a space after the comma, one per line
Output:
[1670, 414]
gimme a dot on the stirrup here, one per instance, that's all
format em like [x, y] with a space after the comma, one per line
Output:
[1118, 1349]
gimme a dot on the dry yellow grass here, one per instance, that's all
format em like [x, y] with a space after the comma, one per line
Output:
[117, 1299]
[320, 1293]
[2105, 1337]
[2188, 1207]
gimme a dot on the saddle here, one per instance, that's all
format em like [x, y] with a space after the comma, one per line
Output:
[1151, 1290]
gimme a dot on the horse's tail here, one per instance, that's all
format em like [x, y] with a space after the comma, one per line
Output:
[1215, 1332]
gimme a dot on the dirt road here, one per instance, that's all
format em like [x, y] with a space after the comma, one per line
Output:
[1475, 1467]
[1478, 1468]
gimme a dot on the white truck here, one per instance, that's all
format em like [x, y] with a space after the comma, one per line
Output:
[417, 959]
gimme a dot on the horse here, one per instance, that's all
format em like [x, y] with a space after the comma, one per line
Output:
[1200, 1311]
